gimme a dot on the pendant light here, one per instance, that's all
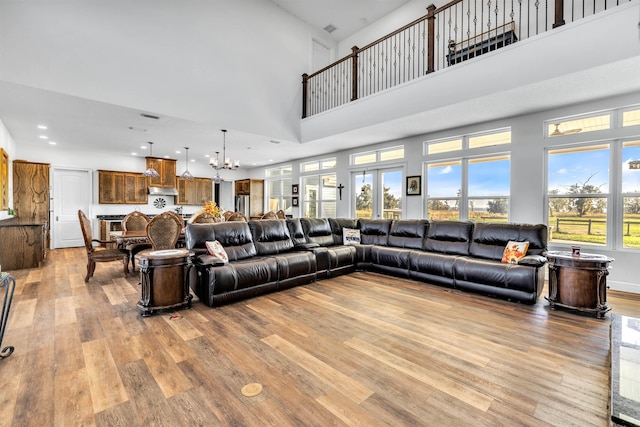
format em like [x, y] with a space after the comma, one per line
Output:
[186, 174]
[216, 178]
[151, 172]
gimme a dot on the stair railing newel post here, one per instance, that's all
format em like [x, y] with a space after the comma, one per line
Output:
[559, 14]
[431, 31]
[354, 72]
[305, 84]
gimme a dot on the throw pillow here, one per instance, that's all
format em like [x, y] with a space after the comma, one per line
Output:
[350, 236]
[514, 252]
[215, 249]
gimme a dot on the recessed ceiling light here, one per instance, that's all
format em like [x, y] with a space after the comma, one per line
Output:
[52, 143]
[177, 151]
[166, 157]
[143, 147]
[134, 153]
[42, 127]
[271, 160]
[44, 137]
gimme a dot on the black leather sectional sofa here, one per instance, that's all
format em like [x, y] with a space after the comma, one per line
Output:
[268, 255]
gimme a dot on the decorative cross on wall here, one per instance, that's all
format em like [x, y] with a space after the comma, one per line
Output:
[340, 187]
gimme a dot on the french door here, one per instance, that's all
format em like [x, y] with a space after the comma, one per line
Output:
[378, 193]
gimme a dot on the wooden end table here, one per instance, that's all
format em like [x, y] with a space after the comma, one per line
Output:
[578, 282]
[165, 279]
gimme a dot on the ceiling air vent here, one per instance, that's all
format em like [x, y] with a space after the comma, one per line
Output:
[330, 28]
[149, 116]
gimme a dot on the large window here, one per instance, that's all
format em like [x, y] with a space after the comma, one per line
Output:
[382, 155]
[630, 194]
[469, 186]
[578, 190]
[278, 181]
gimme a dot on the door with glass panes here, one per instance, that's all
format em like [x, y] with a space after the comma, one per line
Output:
[377, 194]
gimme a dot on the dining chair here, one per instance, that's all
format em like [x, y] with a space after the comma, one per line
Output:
[135, 221]
[269, 215]
[203, 217]
[281, 215]
[95, 255]
[237, 216]
[163, 231]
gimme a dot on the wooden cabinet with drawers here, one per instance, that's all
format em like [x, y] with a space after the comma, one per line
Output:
[121, 188]
[195, 191]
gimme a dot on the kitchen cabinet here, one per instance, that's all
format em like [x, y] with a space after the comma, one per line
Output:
[4, 180]
[195, 191]
[116, 187]
[167, 170]
[254, 188]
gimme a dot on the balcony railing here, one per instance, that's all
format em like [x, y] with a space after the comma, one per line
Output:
[445, 36]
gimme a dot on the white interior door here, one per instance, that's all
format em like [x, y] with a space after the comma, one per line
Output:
[71, 191]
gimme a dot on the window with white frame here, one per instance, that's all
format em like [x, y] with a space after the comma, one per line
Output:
[318, 189]
[630, 171]
[469, 186]
[278, 182]
[382, 155]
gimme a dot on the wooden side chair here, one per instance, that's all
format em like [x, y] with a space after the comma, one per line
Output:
[237, 216]
[135, 221]
[163, 231]
[281, 215]
[95, 255]
[203, 217]
[269, 215]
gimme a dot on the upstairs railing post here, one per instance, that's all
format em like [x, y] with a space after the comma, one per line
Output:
[305, 83]
[559, 14]
[354, 73]
[431, 27]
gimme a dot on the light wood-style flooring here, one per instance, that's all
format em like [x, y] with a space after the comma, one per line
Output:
[361, 350]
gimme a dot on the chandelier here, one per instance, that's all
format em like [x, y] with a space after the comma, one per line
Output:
[216, 178]
[214, 163]
[151, 172]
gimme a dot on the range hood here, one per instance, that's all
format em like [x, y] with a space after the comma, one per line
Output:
[161, 191]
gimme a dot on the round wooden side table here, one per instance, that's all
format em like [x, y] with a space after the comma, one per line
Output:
[164, 276]
[578, 282]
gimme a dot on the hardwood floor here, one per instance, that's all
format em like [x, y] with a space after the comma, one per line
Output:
[363, 349]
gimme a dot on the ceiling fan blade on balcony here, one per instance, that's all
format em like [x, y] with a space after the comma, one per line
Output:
[558, 132]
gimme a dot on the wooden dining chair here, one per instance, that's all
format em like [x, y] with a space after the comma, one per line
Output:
[203, 217]
[237, 216]
[95, 255]
[135, 221]
[280, 214]
[163, 231]
[269, 215]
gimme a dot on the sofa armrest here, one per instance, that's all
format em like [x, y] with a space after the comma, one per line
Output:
[207, 261]
[533, 261]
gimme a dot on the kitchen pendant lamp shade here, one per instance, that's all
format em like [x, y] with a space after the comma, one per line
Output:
[186, 174]
[151, 172]
[214, 163]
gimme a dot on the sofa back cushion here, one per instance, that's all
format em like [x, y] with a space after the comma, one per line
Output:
[449, 237]
[235, 237]
[270, 236]
[197, 235]
[337, 224]
[295, 231]
[374, 231]
[490, 240]
[408, 233]
[317, 230]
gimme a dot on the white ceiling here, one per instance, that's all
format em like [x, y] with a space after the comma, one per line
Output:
[86, 124]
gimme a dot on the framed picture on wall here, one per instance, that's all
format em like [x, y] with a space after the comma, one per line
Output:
[294, 201]
[294, 189]
[414, 185]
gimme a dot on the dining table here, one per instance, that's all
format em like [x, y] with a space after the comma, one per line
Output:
[130, 237]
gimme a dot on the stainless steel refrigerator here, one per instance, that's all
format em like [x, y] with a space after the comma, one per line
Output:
[242, 205]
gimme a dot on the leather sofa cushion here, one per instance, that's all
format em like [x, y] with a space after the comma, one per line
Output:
[341, 256]
[236, 238]
[449, 237]
[295, 231]
[196, 236]
[337, 224]
[489, 240]
[317, 230]
[295, 264]
[242, 274]
[431, 263]
[270, 236]
[495, 273]
[390, 257]
[374, 231]
[408, 233]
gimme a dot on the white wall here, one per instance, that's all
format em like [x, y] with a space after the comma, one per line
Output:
[8, 144]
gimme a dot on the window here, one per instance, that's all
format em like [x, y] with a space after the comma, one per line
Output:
[562, 127]
[279, 188]
[470, 187]
[631, 117]
[578, 187]
[319, 196]
[318, 165]
[382, 155]
[630, 195]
